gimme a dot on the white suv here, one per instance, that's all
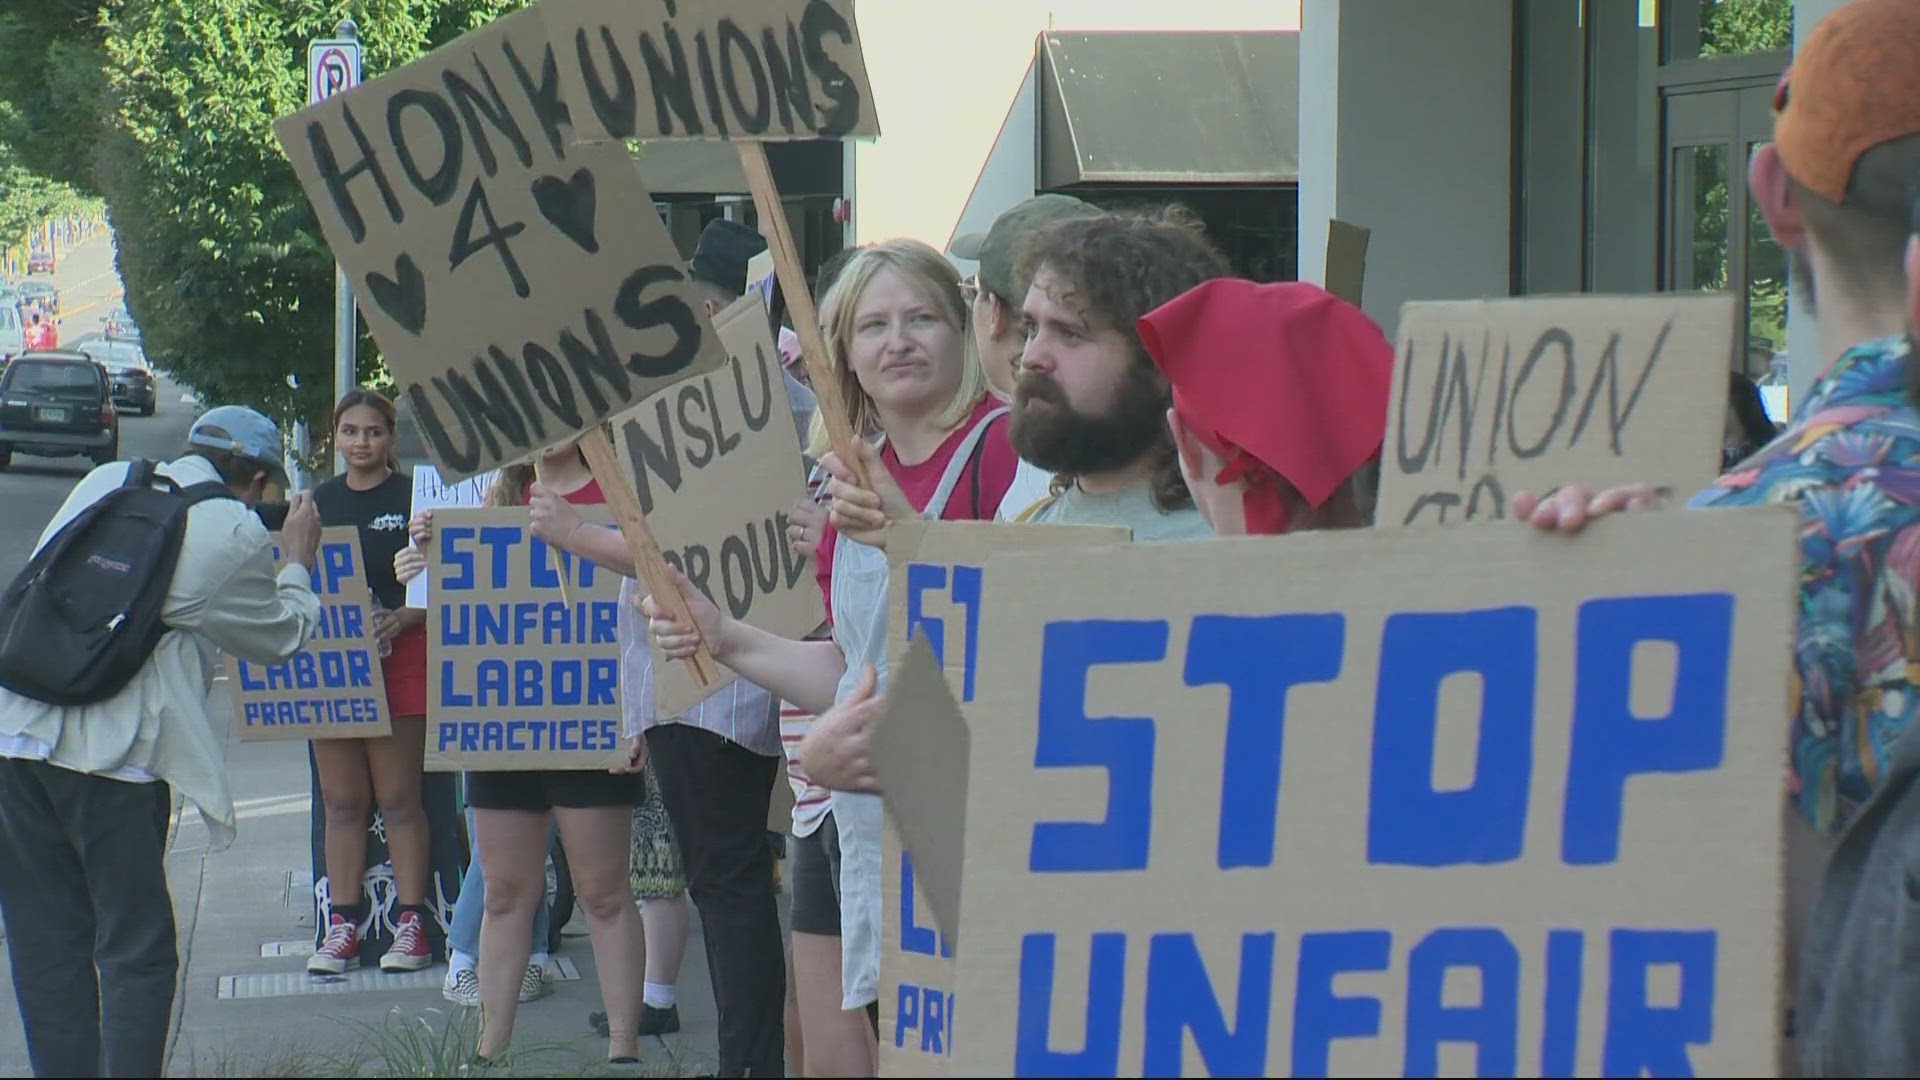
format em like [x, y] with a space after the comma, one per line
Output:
[13, 333]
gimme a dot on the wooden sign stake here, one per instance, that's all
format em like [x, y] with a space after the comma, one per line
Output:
[648, 563]
[806, 320]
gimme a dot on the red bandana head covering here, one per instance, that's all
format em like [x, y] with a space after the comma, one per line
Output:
[1283, 378]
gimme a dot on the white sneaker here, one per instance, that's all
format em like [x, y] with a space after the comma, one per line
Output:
[462, 987]
[534, 984]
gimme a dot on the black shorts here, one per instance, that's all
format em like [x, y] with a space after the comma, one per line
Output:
[545, 789]
[815, 880]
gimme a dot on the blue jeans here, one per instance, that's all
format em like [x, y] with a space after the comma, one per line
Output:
[464, 934]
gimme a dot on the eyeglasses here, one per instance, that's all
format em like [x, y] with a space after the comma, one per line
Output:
[970, 290]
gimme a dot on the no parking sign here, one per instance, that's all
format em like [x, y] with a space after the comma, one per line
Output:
[333, 67]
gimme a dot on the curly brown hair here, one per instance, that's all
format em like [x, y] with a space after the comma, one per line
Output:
[1118, 267]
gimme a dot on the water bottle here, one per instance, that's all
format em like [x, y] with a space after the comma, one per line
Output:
[385, 644]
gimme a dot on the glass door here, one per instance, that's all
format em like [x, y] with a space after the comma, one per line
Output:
[1715, 237]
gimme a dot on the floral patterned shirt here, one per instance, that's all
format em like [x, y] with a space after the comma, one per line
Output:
[1850, 463]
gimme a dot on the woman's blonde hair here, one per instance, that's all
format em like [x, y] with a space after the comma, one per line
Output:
[927, 271]
[510, 484]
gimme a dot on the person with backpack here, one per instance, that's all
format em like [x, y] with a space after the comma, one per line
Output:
[109, 642]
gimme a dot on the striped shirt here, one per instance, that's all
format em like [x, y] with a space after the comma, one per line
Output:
[740, 711]
[811, 802]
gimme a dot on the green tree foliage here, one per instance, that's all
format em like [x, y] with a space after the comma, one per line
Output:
[166, 108]
[1744, 27]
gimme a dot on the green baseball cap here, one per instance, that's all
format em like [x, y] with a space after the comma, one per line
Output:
[998, 249]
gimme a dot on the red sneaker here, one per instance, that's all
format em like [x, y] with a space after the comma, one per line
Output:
[340, 951]
[410, 950]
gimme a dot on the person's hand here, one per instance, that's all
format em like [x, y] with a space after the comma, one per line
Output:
[636, 757]
[421, 528]
[1570, 509]
[836, 750]
[409, 563]
[554, 518]
[806, 521]
[389, 624]
[859, 513]
[300, 533]
[677, 639]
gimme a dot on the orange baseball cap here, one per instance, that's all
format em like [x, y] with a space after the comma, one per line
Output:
[1852, 87]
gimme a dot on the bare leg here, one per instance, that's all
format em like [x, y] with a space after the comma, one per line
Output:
[395, 763]
[512, 846]
[668, 923]
[347, 793]
[838, 1042]
[599, 844]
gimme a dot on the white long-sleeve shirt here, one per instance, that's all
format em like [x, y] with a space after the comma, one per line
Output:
[225, 597]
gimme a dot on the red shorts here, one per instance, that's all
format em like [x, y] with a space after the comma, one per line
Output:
[405, 670]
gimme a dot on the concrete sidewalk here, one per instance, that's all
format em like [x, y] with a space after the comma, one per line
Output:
[245, 1006]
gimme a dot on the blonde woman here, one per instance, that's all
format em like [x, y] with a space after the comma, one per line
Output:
[895, 326]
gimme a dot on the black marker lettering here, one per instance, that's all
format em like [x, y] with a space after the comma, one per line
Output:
[671, 83]
[653, 459]
[1568, 387]
[516, 381]
[490, 409]
[668, 311]
[465, 458]
[766, 571]
[336, 178]
[550, 382]
[755, 422]
[818, 23]
[736, 48]
[697, 433]
[1608, 372]
[733, 553]
[616, 112]
[544, 96]
[792, 86]
[439, 188]
[466, 245]
[727, 442]
[791, 562]
[704, 57]
[494, 108]
[602, 360]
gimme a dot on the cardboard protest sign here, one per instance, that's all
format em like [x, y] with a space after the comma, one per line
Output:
[431, 492]
[768, 70]
[1407, 802]
[517, 677]
[521, 286]
[717, 463]
[1496, 396]
[333, 688]
[936, 570]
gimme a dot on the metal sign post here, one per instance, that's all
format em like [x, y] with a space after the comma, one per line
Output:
[333, 67]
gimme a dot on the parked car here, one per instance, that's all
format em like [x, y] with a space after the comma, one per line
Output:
[131, 376]
[57, 404]
[120, 325]
[40, 262]
[13, 331]
[40, 294]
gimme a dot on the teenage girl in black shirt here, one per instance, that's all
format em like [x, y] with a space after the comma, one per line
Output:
[377, 497]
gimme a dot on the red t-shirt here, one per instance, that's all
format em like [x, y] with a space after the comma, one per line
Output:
[589, 494]
[997, 464]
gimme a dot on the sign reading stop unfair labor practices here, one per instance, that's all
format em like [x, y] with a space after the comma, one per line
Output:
[1417, 802]
[520, 284]
[333, 68]
[521, 674]
[332, 688]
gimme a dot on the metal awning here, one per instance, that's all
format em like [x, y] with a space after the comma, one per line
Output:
[1169, 108]
[674, 167]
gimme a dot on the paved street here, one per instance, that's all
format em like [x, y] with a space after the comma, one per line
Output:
[245, 1006]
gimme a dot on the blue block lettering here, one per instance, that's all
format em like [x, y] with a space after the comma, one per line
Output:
[1258, 660]
[336, 561]
[1560, 1033]
[1181, 998]
[1123, 746]
[1408, 822]
[1649, 1040]
[921, 579]
[966, 593]
[914, 938]
[906, 1014]
[1033, 1053]
[455, 559]
[1493, 1025]
[1319, 1015]
[1611, 744]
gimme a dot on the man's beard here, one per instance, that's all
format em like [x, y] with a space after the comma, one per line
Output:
[1061, 439]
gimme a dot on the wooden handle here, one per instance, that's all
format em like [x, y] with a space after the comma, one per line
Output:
[560, 565]
[648, 563]
[806, 321]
